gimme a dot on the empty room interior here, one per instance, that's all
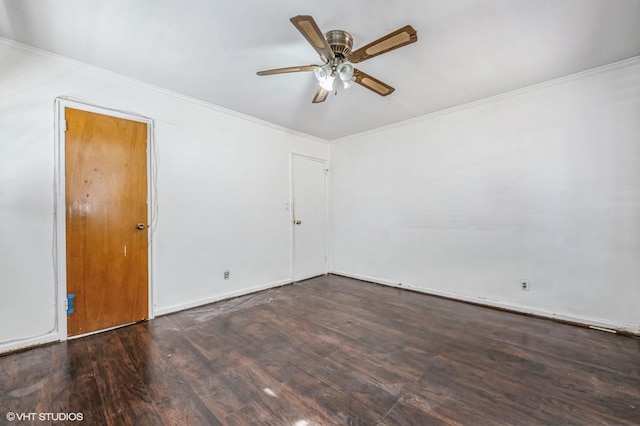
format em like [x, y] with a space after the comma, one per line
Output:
[316, 213]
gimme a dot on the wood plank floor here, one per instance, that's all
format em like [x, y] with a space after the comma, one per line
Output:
[332, 350]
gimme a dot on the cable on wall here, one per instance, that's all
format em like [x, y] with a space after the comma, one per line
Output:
[153, 152]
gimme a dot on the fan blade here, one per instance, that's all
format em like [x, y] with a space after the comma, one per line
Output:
[373, 84]
[321, 95]
[309, 29]
[287, 69]
[399, 38]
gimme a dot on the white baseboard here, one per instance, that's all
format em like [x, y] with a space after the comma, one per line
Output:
[216, 298]
[18, 344]
[574, 319]
[14, 345]
[54, 336]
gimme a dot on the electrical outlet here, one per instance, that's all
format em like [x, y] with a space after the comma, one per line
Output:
[226, 275]
[524, 285]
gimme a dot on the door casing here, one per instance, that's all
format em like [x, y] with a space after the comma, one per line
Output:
[59, 243]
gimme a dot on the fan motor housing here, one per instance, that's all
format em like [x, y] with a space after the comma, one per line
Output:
[340, 42]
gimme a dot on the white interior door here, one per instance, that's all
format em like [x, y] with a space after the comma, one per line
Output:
[309, 188]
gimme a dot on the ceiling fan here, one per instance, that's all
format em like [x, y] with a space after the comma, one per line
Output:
[335, 52]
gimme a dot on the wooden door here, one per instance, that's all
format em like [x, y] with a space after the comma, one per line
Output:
[106, 198]
[310, 217]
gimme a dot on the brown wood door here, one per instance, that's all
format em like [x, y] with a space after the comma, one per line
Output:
[106, 198]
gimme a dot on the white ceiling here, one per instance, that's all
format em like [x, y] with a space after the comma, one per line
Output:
[211, 50]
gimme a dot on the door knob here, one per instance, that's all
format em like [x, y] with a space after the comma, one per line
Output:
[140, 226]
[297, 222]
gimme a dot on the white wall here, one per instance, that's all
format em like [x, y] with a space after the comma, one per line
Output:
[542, 184]
[223, 181]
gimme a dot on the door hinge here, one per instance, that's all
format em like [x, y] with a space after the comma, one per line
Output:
[326, 171]
[64, 125]
[69, 303]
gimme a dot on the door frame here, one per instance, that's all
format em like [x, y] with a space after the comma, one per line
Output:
[59, 211]
[292, 207]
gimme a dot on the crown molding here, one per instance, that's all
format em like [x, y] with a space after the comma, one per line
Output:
[39, 53]
[633, 61]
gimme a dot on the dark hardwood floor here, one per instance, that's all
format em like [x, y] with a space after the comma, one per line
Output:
[332, 350]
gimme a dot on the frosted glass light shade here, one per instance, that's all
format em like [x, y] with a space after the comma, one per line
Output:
[348, 83]
[345, 71]
[322, 73]
[325, 77]
[327, 84]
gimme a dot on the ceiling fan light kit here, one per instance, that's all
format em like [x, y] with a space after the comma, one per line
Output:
[334, 49]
